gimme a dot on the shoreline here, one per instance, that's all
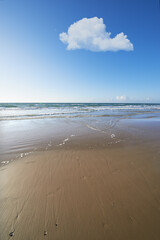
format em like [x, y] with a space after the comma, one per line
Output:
[24, 137]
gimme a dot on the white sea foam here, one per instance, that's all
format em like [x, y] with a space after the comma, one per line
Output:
[5, 162]
[27, 153]
[113, 135]
[27, 111]
[24, 154]
[63, 142]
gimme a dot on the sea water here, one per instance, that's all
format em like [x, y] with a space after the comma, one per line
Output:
[29, 127]
[18, 111]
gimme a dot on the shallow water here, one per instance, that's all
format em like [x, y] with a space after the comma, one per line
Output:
[26, 128]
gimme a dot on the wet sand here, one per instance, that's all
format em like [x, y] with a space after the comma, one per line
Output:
[82, 193]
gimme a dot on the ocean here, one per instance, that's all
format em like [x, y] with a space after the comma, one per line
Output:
[18, 111]
[29, 127]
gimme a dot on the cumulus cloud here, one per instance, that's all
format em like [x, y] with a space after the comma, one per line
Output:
[91, 34]
[121, 98]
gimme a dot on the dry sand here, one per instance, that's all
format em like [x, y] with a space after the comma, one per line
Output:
[82, 194]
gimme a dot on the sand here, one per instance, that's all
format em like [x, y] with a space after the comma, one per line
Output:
[95, 194]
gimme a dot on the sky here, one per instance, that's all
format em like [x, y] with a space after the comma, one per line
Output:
[79, 51]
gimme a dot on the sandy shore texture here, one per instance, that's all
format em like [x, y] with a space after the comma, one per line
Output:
[89, 194]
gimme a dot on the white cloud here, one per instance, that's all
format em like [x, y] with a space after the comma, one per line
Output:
[121, 98]
[90, 34]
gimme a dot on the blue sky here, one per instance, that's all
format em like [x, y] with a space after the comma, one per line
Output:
[35, 65]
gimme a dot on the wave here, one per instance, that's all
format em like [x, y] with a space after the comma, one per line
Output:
[51, 110]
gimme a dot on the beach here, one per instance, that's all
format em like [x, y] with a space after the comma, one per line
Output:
[79, 120]
[81, 178]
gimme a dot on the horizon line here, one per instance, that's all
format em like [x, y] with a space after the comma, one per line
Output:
[138, 102]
